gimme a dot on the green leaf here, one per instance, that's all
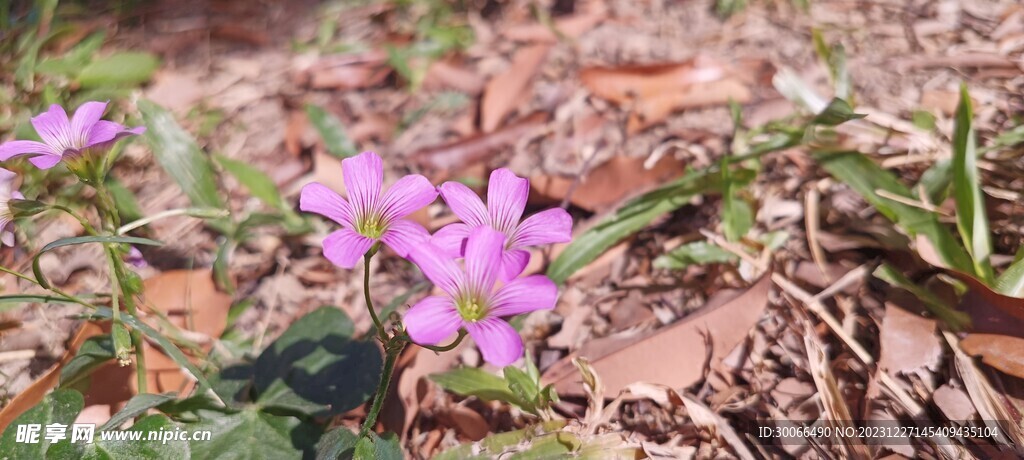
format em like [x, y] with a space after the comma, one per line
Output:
[252, 433]
[178, 154]
[935, 182]
[135, 407]
[737, 217]
[496, 444]
[956, 320]
[120, 69]
[834, 58]
[471, 381]
[61, 406]
[865, 177]
[695, 253]
[1011, 281]
[127, 449]
[94, 352]
[836, 113]
[124, 200]
[315, 368]
[37, 270]
[331, 131]
[259, 184]
[336, 443]
[74, 60]
[629, 219]
[524, 387]
[26, 208]
[15, 299]
[971, 219]
[376, 447]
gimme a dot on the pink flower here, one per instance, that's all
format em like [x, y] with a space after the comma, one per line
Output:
[506, 200]
[471, 300]
[63, 138]
[369, 216]
[7, 193]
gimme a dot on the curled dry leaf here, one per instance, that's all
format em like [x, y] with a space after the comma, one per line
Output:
[477, 148]
[349, 71]
[609, 183]
[727, 319]
[591, 13]
[505, 92]
[655, 91]
[35, 392]
[1002, 352]
[908, 342]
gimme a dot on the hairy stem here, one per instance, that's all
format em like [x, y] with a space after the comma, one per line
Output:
[369, 303]
[392, 349]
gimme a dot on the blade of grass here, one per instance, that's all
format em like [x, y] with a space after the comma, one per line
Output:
[971, 218]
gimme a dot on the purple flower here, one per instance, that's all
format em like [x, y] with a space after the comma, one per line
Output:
[7, 193]
[135, 258]
[471, 300]
[63, 138]
[506, 200]
[369, 216]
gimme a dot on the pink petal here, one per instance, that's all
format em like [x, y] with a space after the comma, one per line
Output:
[45, 161]
[344, 247]
[403, 235]
[85, 117]
[408, 195]
[432, 320]
[483, 259]
[465, 204]
[7, 176]
[545, 227]
[452, 239]
[513, 262]
[7, 237]
[523, 295]
[318, 198]
[363, 175]
[438, 268]
[498, 341]
[13, 149]
[506, 199]
[55, 128]
[104, 132]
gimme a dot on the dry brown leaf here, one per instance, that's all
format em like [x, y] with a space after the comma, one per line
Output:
[954, 403]
[37, 390]
[999, 351]
[506, 91]
[350, 71]
[447, 74]
[469, 423]
[908, 342]
[727, 319]
[476, 148]
[1010, 306]
[609, 183]
[591, 13]
[190, 300]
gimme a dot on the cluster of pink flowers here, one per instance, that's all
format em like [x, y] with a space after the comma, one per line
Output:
[63, 139]
[491, 242]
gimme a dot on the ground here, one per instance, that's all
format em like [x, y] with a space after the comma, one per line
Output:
[597, 101]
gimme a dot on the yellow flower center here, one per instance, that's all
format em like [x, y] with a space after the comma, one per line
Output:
[471, 309]
[371, 227]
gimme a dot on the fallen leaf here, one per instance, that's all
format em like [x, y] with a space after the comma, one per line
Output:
[467, 151]
[35, 392]
[726, 320]
[999, 351]
[609, 183]
[444, 74]
[589, 15]
[349, 71]
[190, 300]
[468, 422]
[954, 403]
[908, 342]
[506, 91]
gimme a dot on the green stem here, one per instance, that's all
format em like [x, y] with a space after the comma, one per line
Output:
[81, 220]
[369, 303]
[393, 348]
[449, 347]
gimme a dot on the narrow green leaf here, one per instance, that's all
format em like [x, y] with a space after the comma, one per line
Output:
[971, 218]
[127, 206]
[935, 182]
[331, 131]
[695, 253]
[956, 320]
[26, 208]
[837, 112]
[865, 177]
[121, 69]
[178, 154]
[1011, 281]
[471, 381]
[37, 270]
[259, 184]
[737, 217]
[135, 407]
